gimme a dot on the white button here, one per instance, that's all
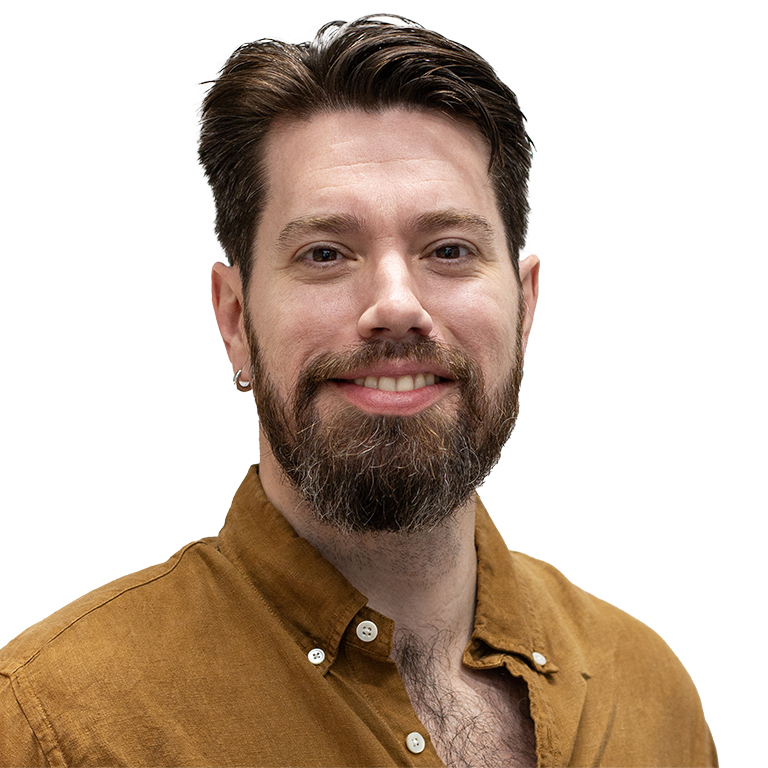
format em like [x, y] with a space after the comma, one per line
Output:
[367, 632]
[415, 742]
[316, 655]
[539, 658]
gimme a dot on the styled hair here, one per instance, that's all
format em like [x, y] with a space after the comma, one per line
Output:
[368, 65]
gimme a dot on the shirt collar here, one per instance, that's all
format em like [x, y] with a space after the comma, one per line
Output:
[309, 595]
[316, 603]
[505, 617]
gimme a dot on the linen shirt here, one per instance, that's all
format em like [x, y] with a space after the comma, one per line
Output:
[251, 649]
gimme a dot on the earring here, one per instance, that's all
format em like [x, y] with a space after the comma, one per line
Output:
[242, 386]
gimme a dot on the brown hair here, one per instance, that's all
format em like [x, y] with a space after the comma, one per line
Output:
[367, 64]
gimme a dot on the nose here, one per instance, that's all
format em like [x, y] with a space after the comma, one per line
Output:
[393, 309]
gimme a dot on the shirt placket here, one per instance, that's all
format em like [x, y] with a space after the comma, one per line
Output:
[365, 654]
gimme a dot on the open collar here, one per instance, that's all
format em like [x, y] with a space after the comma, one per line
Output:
[316, 603]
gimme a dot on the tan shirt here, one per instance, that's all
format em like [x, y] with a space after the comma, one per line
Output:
[205, 660]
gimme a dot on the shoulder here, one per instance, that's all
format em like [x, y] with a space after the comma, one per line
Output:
[603, 641]
[636, 687]
[574, 616]
[104, 610]
[100, 654]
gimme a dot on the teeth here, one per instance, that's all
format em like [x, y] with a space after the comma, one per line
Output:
[399, 384]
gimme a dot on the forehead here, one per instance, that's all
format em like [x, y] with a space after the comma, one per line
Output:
[375, 162]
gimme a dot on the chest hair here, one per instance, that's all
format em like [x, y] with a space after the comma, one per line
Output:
[474, 718]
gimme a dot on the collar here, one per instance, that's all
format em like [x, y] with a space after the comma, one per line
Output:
[505, 617]
[317, 604]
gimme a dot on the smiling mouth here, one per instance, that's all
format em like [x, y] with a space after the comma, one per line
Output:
[400, 383]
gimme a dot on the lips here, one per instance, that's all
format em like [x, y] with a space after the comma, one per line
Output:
[399, 383]
[386, 376]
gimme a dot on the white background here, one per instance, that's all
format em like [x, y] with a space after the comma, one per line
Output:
[638, 465]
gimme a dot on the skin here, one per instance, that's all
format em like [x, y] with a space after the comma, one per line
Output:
[381, 225]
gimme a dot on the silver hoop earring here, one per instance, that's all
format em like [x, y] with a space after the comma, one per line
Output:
[242, 386]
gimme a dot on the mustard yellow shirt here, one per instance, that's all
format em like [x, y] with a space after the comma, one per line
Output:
[244, 650]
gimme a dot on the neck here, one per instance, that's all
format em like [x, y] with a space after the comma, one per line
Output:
[425, 581]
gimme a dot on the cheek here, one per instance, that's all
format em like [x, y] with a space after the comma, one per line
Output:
[483, 324]
[294, 327]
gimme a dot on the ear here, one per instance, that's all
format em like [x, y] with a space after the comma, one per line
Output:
[227, 293]
[529, 277]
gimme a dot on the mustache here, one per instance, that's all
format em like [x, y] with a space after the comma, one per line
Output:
[422, 349]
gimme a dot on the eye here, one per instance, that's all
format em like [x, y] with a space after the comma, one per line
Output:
[451, 251]
[322, 255]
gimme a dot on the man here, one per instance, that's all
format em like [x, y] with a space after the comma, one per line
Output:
[358, 607]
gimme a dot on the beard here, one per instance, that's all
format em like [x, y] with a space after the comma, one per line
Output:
[362, 472]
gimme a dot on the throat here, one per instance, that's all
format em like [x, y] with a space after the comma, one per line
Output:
[416, 579]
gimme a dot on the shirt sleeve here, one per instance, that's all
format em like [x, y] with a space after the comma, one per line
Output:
[18, 744]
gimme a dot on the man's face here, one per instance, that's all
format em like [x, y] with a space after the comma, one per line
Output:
[385, 320]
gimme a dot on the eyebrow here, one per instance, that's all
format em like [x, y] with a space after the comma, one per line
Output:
[333, 224]
[451, 218]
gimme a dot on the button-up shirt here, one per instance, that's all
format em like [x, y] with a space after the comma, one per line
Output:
[252, 649]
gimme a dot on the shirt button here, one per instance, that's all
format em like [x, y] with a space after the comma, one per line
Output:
[415, 742]
[539, 658]
[367, 632]
[316, 655]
